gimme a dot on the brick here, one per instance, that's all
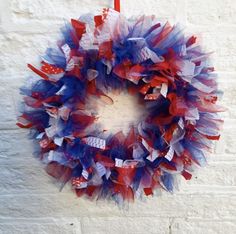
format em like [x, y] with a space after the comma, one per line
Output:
[15, 143]
[55, 10]
[57, 205]
[28, 47]
[8, 109]
[186, 226]
[125, 225]
[38, 226]
[226, 143]
[171, 11]
[211, 12]
[212, 174]
[26, 176]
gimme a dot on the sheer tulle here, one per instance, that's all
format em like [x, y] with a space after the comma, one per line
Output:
[154, 61]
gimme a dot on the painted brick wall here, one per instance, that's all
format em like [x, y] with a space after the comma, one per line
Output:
[30, 201]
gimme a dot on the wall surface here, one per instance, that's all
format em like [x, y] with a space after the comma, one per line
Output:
[29, 199]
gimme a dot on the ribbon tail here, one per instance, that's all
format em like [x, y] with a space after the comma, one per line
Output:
[117, 5]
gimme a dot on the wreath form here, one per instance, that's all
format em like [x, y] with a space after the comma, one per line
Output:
[152, 60]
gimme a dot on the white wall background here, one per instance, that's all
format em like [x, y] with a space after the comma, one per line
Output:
[30, 201]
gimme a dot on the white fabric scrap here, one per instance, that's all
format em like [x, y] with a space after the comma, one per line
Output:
[153, 156]
[56, 77]
[70, 65]
[170, 154]
[50, 155]
[85, 174]
[70, 62]
[181, 123]
[96, 142]
[178, 135]
[81, 185]
[61, 90]
[164, 89]
[87, 40]
[108, 173]
[145, 144]
[66, 50]
[40, 135]
[186, 68]
[100, 169]
[145, 53]
[51, 131]
[118, 162]
[58, 140]
[55, 156]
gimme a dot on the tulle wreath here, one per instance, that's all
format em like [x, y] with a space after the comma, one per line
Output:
[167, 71]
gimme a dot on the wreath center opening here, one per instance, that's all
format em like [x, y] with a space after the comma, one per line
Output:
[123, 112]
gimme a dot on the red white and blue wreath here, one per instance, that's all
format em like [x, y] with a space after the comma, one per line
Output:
[155, 62]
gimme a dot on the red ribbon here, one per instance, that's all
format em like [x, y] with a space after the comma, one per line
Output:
[117, 5]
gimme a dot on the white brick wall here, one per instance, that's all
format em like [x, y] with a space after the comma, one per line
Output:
[29, 199]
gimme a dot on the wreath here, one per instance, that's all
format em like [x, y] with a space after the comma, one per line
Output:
[168, 73]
